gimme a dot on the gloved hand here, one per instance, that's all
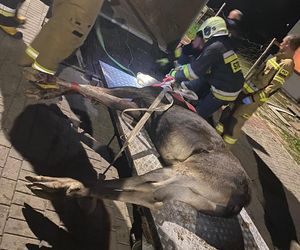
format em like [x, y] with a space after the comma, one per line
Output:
[163, 61]
[173, 73]
[247, 100]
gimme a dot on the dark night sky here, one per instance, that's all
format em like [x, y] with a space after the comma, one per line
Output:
[264, 19]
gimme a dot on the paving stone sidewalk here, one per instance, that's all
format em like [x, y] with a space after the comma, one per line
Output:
[274, 154]
[38, 138]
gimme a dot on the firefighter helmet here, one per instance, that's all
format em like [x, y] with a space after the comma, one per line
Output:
[214, 26]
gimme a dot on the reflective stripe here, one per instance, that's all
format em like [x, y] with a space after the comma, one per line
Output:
[48, 86]
[225, 96]
[42, 69]
[192, 73]
[228, 54]
[228, 139]
[273, 62]
[230, 58]
[263, 97]
[250, 87]
[246, 116]
[220, 128]
[10, 30]
[188, 72]
[279, 79]
[31, 52]
[178, 52]
[6, 11]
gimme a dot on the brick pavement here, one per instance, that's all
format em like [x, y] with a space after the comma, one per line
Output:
[275, 203]
[275, 155]
[16, 228]
[28, 147]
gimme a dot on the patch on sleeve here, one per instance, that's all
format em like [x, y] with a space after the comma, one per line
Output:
[232, 58]
[283, 73]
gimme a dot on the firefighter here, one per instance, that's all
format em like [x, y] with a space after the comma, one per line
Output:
[262, 84]
[215, 76]
[9, 20]
[68, 27]
[233, 22]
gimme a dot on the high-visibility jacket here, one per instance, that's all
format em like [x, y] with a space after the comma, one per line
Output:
[269, 78]
[220, 65]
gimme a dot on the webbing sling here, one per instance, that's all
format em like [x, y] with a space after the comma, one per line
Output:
[148, 112]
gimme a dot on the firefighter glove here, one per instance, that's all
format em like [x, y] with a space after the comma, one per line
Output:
[173, 73]
[163, 61]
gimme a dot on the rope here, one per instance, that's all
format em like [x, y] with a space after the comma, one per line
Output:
[148, 112]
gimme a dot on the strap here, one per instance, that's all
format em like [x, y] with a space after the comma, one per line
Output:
[148, 112]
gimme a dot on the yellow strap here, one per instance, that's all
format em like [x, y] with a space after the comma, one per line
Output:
[39, 67]
[230, 140]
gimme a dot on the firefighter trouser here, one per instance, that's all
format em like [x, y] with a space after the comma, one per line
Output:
[66, 30]
[8, 12]
[208, 103]
[233, 119]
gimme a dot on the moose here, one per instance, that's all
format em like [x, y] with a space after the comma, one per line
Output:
[197, 167]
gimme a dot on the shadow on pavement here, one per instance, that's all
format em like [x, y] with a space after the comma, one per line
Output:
[256, 145]
[280, 222]
[277, 203]
[45, 137]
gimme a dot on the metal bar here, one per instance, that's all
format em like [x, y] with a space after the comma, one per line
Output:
[259, 59]
[221, 8]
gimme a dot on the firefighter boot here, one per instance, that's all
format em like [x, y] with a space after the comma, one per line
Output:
[37, 76]
[44, 86]
[12, 31]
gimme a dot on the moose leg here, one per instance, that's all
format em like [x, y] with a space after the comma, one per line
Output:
[138, 190]
[111, 98]
[149, 190]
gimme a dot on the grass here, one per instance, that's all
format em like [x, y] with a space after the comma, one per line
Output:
[293, 145]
